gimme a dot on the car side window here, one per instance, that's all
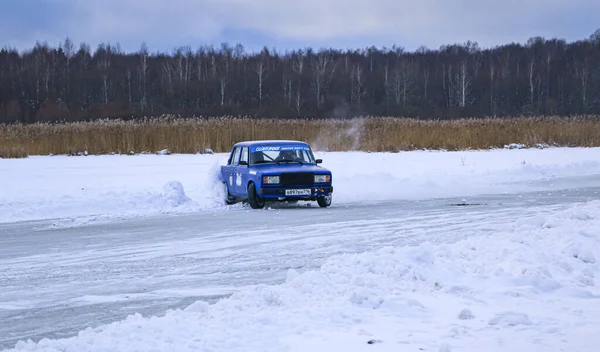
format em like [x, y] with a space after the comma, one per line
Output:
[308, 156]
[236, 156]
[244, 155]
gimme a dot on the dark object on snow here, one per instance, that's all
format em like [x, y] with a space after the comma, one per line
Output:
[370, 342]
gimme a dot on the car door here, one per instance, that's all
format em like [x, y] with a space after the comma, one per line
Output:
[229, 173]
[241, 173]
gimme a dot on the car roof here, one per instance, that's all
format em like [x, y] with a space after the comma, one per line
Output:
[273, 141]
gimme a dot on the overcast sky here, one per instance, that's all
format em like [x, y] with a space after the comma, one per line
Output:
[289, 24]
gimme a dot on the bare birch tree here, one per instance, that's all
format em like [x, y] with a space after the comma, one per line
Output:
[582, 74]
[298, 67]
[104, 65]
[404, 81]
[69, 51]
[143, 53]
[492, 75]
[462, 82]
[260, 72]
[386, 82]
[357, 83]
[322, 68]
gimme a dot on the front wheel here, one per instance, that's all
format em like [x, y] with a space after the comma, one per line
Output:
[324, 201]
[254, 199]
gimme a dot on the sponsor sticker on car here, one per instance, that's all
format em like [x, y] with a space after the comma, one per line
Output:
[278, 148]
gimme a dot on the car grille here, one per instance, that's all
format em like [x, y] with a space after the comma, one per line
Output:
[296, 178]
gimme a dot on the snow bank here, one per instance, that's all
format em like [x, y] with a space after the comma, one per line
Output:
[77, 190]
[530, 285]
[416, 175]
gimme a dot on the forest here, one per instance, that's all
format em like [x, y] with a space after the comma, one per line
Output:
[73, 83]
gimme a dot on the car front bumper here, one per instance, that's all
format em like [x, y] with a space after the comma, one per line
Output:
[280, 192]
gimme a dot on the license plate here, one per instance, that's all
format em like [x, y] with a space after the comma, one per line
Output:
[298, 192]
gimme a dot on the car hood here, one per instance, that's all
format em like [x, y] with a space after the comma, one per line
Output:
[292, 167]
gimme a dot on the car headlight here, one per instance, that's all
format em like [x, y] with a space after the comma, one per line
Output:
[270, 179]
[322, 178]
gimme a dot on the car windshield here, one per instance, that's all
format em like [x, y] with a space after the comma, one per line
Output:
[285, 153]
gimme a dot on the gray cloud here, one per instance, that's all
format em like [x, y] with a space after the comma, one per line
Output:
[409, 23]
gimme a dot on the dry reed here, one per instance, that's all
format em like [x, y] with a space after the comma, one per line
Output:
[185, 135]
[12, 152]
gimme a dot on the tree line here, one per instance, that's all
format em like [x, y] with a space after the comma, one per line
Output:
[540, 77]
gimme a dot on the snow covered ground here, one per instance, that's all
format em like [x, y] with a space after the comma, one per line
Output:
[82, 189]
[390, 267]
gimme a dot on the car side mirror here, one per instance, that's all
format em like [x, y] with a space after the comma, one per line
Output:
[319, 161]
[244, 163]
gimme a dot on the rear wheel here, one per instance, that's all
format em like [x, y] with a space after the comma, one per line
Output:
[324, 201]
[229, 200]
[253, 198]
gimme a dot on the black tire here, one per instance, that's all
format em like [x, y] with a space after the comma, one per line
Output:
[324, 201]
[229, 200]
[253, 198]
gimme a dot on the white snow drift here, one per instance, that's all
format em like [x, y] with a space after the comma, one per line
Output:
[80, 189]
[531, 285]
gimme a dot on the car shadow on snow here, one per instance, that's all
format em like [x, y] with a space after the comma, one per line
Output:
[282, 205]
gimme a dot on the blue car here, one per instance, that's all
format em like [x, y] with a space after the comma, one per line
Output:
[277, 171]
